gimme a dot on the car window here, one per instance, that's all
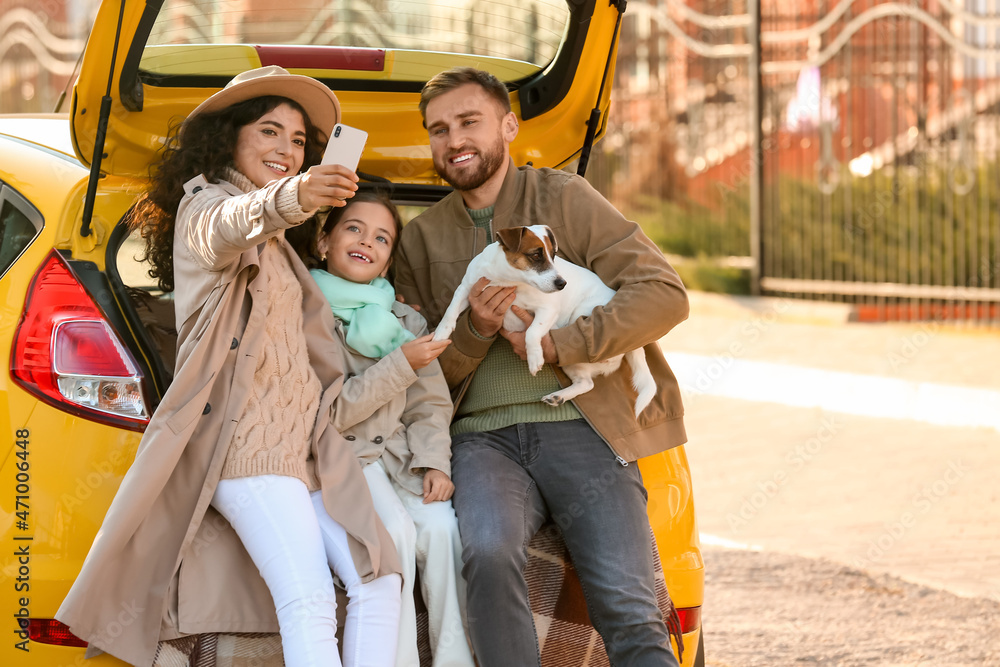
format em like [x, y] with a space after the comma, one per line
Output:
[133, 271]
[20, 223]
[528, 33]
[153, 308]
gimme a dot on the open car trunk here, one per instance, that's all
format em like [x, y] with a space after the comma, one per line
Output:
[149, 63]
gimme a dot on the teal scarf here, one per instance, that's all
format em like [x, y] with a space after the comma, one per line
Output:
[366, 311]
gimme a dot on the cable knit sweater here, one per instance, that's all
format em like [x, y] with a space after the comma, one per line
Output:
[272, 437]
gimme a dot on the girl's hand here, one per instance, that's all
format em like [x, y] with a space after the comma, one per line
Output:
[326, 185]
[437, 486]
[423, 350]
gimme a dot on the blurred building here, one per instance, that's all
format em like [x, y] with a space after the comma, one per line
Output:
[40, 43]
[886, 79]
[527, 30]
[879, 128]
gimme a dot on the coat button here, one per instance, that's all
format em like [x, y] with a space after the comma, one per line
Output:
[234, 344]
[208, 408]
[377, 440]
[196, 190]
[350, 437]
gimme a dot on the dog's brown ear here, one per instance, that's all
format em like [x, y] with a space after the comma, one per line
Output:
[552, 240]
[510, 238]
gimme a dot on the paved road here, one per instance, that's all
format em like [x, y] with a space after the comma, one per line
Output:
[873, 445]
[777, 610]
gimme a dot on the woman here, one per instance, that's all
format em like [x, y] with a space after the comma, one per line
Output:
[243, 429]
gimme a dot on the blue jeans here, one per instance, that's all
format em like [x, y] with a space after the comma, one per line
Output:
[507, 482]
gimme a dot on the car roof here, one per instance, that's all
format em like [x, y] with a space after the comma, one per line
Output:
[50, 132]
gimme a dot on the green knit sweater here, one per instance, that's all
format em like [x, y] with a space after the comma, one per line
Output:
[503, 392]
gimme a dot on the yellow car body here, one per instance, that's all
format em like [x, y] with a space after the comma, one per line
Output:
[61, 464]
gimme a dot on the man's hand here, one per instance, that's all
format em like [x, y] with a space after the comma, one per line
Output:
[423, 350]
[437, 486]
[326, 185]
[516, 338]
[488, 304]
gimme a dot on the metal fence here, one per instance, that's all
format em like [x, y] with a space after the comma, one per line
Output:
[836, 150]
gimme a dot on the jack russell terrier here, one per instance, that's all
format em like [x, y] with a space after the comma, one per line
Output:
[557, 293]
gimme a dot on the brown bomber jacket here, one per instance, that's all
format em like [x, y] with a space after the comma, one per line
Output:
[436, 247]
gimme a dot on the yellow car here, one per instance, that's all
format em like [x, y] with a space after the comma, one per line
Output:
[89, 338]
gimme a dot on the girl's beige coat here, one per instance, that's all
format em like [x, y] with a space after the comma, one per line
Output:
[389, 412]
[164, 562]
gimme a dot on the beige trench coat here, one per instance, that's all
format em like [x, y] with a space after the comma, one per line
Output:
[164, 563]
[387, 411]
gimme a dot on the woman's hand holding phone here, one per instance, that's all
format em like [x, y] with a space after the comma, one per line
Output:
[326, 185]
[333, 181]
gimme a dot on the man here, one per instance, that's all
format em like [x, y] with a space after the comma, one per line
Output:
[517, 461]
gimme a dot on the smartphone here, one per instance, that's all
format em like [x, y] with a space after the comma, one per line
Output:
[345, 146]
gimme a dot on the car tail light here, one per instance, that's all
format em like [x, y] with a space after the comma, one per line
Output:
[67, 354]
[690, 618]
[51, 631]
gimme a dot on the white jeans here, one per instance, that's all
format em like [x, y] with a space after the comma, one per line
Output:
[294, 543]
[426, 537]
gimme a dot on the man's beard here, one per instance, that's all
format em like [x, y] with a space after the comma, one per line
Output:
[490, 161]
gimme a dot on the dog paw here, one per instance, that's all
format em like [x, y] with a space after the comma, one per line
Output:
[443, 332]
[535, 363]
[555, 400]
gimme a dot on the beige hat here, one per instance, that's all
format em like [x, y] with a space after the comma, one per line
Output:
[319, 102]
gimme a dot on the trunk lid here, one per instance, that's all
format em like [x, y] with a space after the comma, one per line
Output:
[376, 56]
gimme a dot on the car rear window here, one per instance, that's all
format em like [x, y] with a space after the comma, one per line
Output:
[20, 223]
[529, 33]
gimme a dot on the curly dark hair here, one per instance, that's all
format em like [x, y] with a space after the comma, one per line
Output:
[304, 237]
[203, 145]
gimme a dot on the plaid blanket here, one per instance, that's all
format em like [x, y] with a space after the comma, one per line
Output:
[565, 635]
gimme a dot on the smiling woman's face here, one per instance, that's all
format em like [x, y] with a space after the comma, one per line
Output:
[271, 147]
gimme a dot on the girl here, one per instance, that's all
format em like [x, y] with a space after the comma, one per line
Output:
[395, 409]
[243, 431]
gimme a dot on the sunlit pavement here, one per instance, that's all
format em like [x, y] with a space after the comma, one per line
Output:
[875, 445]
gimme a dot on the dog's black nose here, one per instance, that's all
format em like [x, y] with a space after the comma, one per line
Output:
[559, 283]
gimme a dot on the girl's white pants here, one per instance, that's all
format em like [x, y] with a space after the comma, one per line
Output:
[426, 537]
[294, 543]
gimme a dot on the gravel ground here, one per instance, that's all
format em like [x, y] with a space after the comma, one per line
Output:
[774, 609]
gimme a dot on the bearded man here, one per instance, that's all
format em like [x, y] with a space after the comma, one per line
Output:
[515, 460]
